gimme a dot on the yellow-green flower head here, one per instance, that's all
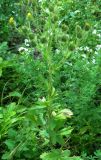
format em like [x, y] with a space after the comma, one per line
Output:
[53, 113]
[29, 15]
[64, 114]
[87, 26]
[11, 21]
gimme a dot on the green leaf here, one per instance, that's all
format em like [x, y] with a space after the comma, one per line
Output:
[1, 66]
[6, 156]
[0, 72]
[98, 154]
[1, 60]
[12, 133]
[15, 94]
[44, 134]
[55, 155]
[1, 116]
[10, 144]
[84, 130]
[38, 107]
[65, 131]
[58, 155]
[3, 47]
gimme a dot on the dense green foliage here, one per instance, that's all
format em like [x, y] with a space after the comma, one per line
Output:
[50, 80]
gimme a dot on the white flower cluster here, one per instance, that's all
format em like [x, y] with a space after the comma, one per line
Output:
[47, 11]
[27, 42]
[98, 47]
[24, 49]
[68, 63]
[86, 48]
[40, 1]
[93, 60]
[63, 114]
[97, 33]
[67, 112]
[94, 31]
[43, 99]
[50, 32]
[84, 55]
[57, 51]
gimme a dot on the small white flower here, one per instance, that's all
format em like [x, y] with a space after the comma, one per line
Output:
[59, 22]
[13, 12]
[90, 50]
[27, 45]
[27, 42]
[67, 112]
[68, 63]
[43, 99]
[94, 31]
[23, 49]
[47, 10]
[86, 48]
[84, 56]
[81, 48]
[77, 11]
[99, 35]
[93, 61]
[96, 52]
[98, 47]
[53, 113]
[57, 51]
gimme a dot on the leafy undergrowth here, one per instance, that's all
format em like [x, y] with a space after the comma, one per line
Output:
[50, 81]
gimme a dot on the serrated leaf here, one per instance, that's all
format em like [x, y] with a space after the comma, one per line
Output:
[56, 155]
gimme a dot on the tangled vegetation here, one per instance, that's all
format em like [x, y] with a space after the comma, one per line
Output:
[50, 80]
